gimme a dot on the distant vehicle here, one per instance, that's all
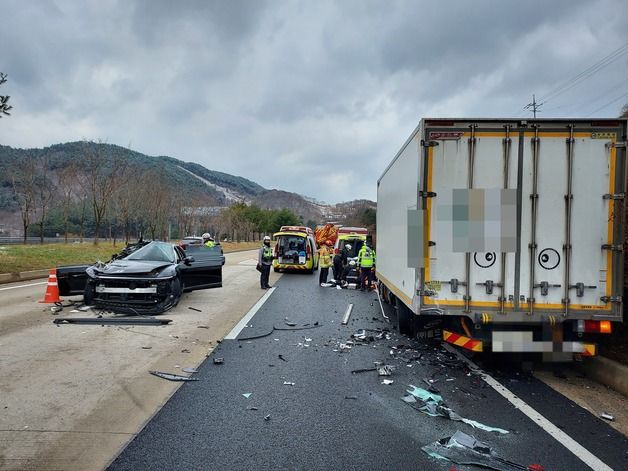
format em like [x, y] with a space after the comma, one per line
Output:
[354, 236]
[506, 234]
[147, 278]
[189, 241]
[295, 249]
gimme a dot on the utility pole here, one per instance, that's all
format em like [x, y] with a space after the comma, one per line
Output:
[533, 106]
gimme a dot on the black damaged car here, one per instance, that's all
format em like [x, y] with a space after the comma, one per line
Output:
[146, 278]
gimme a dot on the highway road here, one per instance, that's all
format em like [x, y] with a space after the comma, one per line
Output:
[80, 397]
[288, 400]
[72, 396]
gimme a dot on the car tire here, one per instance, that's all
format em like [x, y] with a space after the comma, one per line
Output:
[88, 294]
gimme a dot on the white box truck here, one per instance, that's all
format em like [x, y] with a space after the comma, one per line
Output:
[508, 234]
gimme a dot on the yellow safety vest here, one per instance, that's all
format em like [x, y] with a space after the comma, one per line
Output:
[366, 257]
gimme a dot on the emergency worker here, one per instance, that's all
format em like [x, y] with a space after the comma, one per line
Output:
[208, 241]
[366, 263]
[340, 261]
[264, 262]
[325, 254]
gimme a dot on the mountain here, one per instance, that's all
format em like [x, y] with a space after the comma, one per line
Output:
[194, 181]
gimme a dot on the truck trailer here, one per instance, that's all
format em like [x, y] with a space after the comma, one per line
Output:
[506, 235]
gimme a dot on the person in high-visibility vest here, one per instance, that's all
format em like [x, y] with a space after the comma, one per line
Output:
[264, 262]
[325, 253]
[208, 241]
[366, 262]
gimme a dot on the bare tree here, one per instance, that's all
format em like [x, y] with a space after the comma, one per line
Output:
[624, 112]
[4, 99]
[67, 182]
[44, 195]
[24, 182]
[102, 175]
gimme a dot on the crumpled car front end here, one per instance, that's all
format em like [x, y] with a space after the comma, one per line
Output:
[133, 288]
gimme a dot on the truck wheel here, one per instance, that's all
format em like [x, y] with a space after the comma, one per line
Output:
[405, 319]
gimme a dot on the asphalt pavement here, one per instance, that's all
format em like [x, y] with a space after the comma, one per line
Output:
[331, 418]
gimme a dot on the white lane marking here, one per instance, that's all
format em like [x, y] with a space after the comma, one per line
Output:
[573, 446]
[24, 286]
[249, 315]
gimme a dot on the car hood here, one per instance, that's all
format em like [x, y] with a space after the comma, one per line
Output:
[131, 267]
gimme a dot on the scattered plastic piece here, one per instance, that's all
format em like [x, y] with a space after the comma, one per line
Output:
[288, 383]
[172, 377]
[290, 324]
[247, 395]
[363, 370]
[218, 360]
[409, 399]
[281, 357]
[351, 397]
[607, 416]
[189, 370]
[267, 417]
[194, 309]
[385, 370]
[424, 395]
[146, 348]
[387, 381]
[463, 449]
[252, 408]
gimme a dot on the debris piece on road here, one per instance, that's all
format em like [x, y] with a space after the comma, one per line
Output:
[363, 370]
[385, 370]
[172, 377]
[290, 324]
[359, 334]
[194, 309]
[146, 348]
[252, 408]
[247, 395]
[189, 370]
[218, 360]
[351, 397]
[202, 327]
[56, 309]
[387, 381]
[112, 320]
[281, 357]
[345, 319]
[409, 399]
[607, 416]
[463, 449]
[185, 350]
[288, 383]
[267, 417]
[434, 406]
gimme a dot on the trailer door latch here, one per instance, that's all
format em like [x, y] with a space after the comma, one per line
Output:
[545, 286]
[489, 284]
[580, 287]
[428, 143]
[613, 196]
[426, 194]
[454, 283]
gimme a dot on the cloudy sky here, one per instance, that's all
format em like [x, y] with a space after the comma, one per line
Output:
[308, 96]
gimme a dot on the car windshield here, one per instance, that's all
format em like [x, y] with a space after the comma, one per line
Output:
[154, 252]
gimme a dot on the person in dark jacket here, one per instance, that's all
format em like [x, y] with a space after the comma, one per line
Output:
[340, 261]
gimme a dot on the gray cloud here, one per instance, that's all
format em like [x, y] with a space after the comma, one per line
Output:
[313, 97]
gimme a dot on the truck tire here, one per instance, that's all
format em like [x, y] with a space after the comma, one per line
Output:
[405, 319]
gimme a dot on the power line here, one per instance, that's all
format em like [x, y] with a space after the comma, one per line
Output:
[608, 104]
[587, 73]
[533, 106]
[585, 104]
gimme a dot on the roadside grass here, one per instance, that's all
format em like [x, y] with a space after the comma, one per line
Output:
[17, 258]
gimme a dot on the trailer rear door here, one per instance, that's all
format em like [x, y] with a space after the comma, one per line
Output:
[526, 219]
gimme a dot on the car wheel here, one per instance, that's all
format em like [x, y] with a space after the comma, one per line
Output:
[175, 291]
[88, 294]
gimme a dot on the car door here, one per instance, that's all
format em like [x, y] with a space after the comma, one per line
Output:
[71, 279]
[204, 271]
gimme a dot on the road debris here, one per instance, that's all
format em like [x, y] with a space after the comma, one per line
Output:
[607, 416]
[112, 321]
[463, 449]
[363, 370]
[194, 309]
[147, 348]
[345, 319]
[202, 327]
[172, 377]
[281, 357]
[387, 381]
[267, 417]
[218, 360]
[385, 370]
[189, 370]
[433, 405]
[288, 383]
[247, 395]
[351, 397]
[252, 408]
[185, 350]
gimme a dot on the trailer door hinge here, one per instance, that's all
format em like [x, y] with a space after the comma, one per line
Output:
[613, 247]
[619, 145]
[425, 292]
[428, 143]
[611, 299]
[613, 196]
[427, 194]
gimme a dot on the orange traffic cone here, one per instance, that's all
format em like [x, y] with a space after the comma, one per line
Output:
[52, 290]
